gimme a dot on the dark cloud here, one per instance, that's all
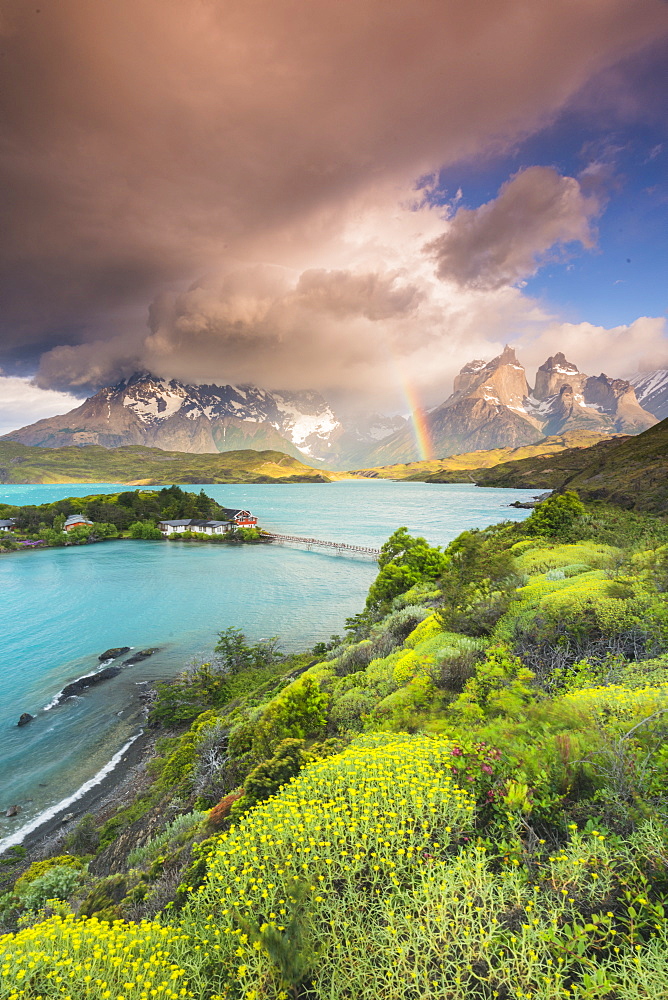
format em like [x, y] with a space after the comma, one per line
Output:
[504, 240]
[146, 140]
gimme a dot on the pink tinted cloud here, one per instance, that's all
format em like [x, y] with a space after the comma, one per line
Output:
[146, 140]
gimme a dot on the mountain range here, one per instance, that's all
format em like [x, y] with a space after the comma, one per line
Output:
[491, 406]
[208, 419]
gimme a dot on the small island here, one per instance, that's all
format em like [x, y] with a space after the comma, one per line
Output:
[168, 513]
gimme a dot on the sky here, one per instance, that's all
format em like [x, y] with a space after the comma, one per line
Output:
[356, 198]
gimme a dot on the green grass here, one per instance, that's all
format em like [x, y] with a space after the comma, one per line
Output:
[433, 469]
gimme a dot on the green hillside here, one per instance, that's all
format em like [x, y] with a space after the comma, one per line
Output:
[631, 472]
[421, 471]
[464, 799]
[139, 466]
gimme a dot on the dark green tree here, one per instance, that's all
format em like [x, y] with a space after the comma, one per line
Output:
[404, 561]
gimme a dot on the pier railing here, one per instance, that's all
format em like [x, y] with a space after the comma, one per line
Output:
[339, 547]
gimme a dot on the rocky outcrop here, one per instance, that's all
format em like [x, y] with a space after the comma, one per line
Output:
[90, 680]
[616, 398]
[143, 654]
[25, 718]
[502, 381]
[567, 411]
[113, 653]
[554, 374]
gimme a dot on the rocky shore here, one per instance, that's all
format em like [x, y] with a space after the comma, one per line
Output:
[116, 789]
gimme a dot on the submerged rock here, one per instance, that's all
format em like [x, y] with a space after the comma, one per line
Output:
[13, 811]
[25, 718]
[82, 683]
[113, 653]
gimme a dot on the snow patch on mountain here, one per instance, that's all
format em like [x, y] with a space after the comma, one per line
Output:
[652, 391]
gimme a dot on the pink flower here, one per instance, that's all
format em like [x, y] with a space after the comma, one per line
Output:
[486, 768]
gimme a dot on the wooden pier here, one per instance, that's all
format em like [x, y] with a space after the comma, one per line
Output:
[339, 547]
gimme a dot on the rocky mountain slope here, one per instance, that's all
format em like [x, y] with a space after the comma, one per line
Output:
[493, 406]
[162, 413]
[651, 388]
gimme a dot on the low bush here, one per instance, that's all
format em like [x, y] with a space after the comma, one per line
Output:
[298, 712]
[59, 882]
[180, 830]
[39, 868]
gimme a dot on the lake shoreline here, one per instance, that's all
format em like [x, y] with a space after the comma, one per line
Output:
[117, 788]
[178, 598]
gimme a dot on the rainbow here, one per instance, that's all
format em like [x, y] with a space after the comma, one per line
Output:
[418, 419]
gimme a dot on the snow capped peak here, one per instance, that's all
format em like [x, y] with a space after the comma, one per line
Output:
[557, 364]
[303, 418]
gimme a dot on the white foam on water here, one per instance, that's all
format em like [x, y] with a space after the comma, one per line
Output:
[47, 814]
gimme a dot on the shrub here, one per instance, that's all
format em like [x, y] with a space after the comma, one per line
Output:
[349, 832]
[501, 686]
[58, 882]
[221, 811]
[236, 654]
[146, 530]
[177, 768]
[404, 709]
[264, 780]
[39, 868]
[404, 562]
[348, 711]
[180, 830]
[298, 712]
[352, 659]
[451, 670]
[84, 838]
[130, 959]
[557, 517]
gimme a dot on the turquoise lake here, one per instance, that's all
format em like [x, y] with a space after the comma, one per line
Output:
[61, 608]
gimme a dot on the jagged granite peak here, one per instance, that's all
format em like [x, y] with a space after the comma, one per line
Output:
[501, 381]
[491, 406]
[555, 373]
[486, 410]
[651, 390]
[566, 410]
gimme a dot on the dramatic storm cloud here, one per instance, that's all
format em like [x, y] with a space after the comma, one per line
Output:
[248, 170]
